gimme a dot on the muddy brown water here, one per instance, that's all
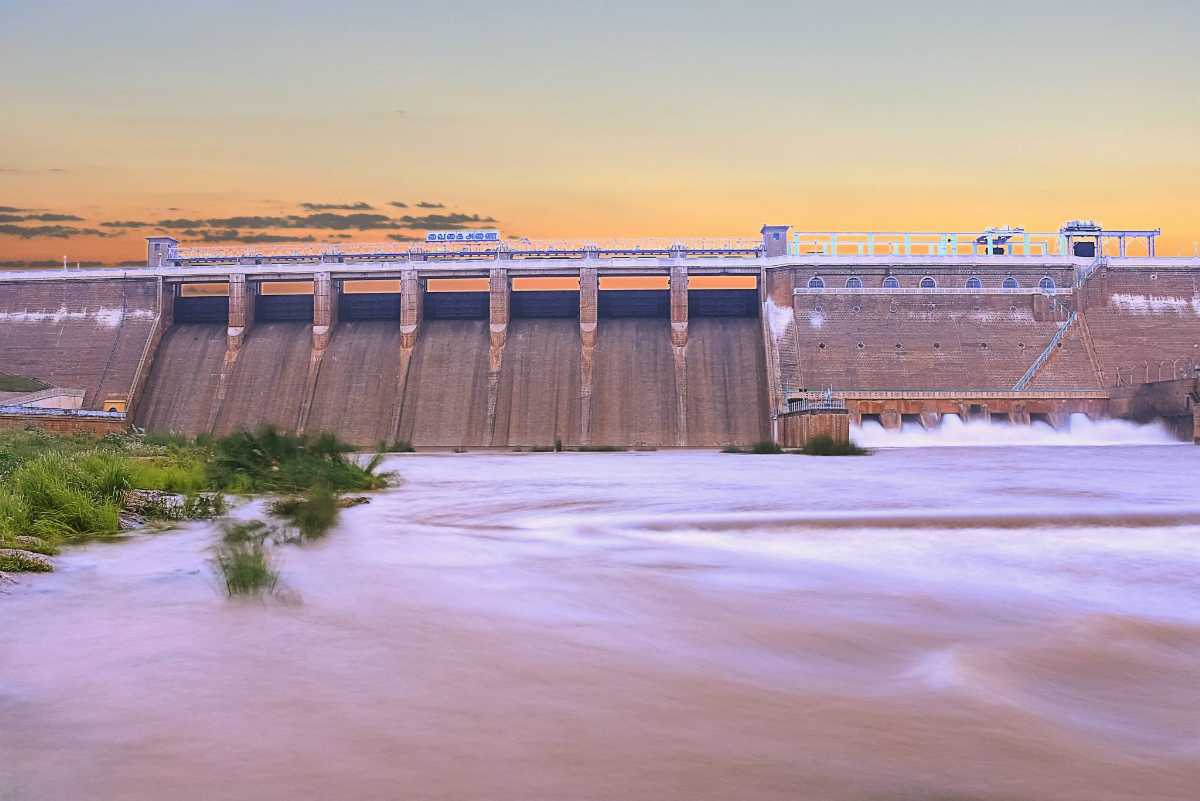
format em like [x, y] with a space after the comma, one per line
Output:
[956, 623]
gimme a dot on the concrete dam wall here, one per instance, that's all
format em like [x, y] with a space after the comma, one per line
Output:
[87, 335]
[453, 383]
[474, 357]
[363, 394]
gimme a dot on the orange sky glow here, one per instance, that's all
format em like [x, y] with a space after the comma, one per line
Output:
[710, 122]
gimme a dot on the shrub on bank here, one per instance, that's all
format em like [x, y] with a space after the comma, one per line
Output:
[271, 461]
[56, 489]
[828, 446]
[765, 446]
[313, 515]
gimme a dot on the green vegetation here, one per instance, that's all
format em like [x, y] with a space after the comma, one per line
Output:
[763, 447]
[19, 383]
[399, 446]
[271, 461]
[311, 515]
[828, 446]
[244, 561]
[60, 489]
[817, 446]
[599, 449]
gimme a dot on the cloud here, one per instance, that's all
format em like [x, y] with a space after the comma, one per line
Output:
[11, 208]
[327, 221]
[400, 204]
[11, 218]
[425, 204]
[52, 231]
[404, 238]
[257, 238]
[359, 206]
[18, 171]
[446, 221]
[359, 222]
[125, 224]
[54, 218]
[181, 223]
[233, 235]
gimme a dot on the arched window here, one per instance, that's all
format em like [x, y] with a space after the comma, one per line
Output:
[854, 282]
[1011, 283]
[891, 282]
[928, 283]
[816, 282]
[974, 283]
[1046, 284]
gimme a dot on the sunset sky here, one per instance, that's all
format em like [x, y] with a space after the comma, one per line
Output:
[218, 121]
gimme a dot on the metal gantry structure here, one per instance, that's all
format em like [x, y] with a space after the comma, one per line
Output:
[1075, 239]
[1078, 238]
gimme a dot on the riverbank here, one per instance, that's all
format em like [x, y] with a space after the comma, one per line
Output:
[58, 490]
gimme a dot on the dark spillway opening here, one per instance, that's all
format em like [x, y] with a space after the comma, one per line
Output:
[635, 303]
[456, 306]
[543, 304]
[210, 309]
[369, 306]
[723, 303]
[283, 308]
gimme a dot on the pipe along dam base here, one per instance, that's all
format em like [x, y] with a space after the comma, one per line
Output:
[700, 347]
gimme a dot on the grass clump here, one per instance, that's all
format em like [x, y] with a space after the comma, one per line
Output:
[271, 461]
[56, 497]
[19, 383]
[765, 446]
[600, 448]
[313, 515]
[244, 561]
[399, 446]
[16, 561]
[828, 446]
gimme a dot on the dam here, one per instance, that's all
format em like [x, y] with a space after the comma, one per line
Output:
[650, 344]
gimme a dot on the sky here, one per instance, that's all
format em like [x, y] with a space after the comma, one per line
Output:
[235, 123]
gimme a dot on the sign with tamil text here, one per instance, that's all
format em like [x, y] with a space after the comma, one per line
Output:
[462, 236]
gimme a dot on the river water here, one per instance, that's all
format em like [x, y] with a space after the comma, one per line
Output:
[992, 623]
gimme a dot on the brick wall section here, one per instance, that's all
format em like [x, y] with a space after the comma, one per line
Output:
[925, 341]
[1069, 366]
[946, 277]
[796, 429]
[58, 425]
[85, 335]
[1144, 322]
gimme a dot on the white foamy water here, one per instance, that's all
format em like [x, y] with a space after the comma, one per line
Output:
[954, 432]
[922, 623]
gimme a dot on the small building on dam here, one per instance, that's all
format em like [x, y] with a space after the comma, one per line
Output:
[697, 343]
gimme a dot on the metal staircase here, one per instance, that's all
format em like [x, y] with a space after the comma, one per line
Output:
[1044, 356]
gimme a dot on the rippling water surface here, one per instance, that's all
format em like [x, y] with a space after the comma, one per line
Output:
[965, 623]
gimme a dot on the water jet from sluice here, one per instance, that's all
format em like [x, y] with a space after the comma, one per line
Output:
[953, 431]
